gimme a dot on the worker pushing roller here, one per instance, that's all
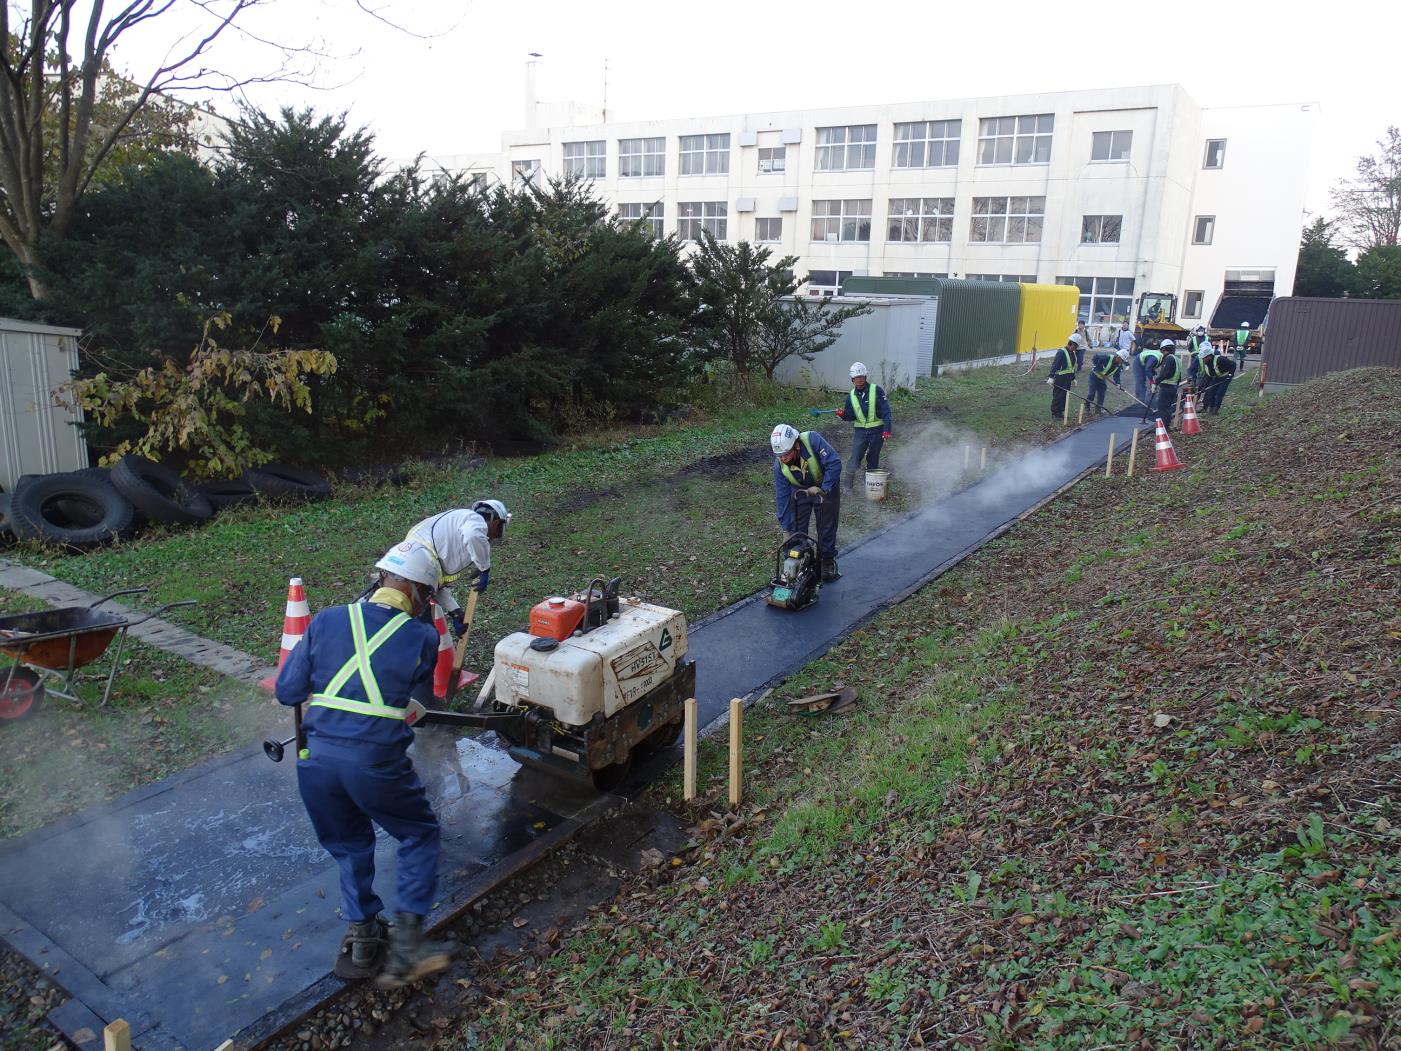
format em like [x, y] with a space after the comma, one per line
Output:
[807, 476]
[867, 407]
[357, 670]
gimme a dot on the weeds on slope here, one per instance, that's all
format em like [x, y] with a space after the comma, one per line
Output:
[1125, 778]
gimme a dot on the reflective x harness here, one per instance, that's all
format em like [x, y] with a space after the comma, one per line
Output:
[359, 664]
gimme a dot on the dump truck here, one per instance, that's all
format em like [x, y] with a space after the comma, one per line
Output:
[1247, 301]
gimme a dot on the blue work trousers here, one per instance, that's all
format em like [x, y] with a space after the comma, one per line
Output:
[867, 442]
[1215, 394]
[1098, 388]
[1165, 404]
[828, 507]
[1140, 381]
[345, 799]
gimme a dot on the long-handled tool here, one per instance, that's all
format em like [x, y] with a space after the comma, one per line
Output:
[460, 654]
[820, 412]
[275, 749]
[1088, 402]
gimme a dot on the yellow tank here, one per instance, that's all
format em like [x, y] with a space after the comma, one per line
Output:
[1047, 316]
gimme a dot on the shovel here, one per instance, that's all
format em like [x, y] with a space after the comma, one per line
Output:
[460, 654]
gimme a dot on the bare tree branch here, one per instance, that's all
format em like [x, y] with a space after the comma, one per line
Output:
[1368, 207]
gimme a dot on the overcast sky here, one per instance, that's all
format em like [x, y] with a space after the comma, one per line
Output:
[457, 88]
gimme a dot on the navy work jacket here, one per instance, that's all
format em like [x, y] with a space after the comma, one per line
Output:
[403, 668]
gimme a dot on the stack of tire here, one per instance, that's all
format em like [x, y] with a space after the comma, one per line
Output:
[94, 506]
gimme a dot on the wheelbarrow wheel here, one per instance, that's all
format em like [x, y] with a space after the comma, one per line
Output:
[21, 694]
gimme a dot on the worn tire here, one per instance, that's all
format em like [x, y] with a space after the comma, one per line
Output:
[231, 493]
[70, 510]
[276, 481]
[160, 492]
[7, 535]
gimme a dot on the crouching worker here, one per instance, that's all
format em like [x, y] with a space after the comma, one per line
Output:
[460, 542]
[807, 474]
[356, 670]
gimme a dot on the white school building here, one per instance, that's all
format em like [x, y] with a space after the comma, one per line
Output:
[1119, 191]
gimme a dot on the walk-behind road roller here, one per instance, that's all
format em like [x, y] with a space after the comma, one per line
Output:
[596, 681]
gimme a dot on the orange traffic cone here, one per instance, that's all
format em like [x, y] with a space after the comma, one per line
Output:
[294, 623]
[1167, 458]
[1190, 426]
[442, 671]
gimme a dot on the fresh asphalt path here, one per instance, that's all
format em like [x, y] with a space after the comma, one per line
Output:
[201, 908]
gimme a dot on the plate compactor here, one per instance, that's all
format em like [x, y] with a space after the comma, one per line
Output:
[594, 681]
[797, 578]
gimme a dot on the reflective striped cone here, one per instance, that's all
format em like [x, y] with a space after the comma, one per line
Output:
[294, 623]
[442, 671]
[1167, 457]
[1190, 426]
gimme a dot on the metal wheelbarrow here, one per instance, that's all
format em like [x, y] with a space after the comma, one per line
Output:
[57, 642]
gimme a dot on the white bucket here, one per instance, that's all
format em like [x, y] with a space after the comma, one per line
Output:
[875, 484]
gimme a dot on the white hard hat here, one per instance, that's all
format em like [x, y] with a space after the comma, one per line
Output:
[1123, 355]
[857, 369]
[782, 439]
[1075, 338]
[1200, 330]
[412, 561]
[490, 509]
[1245, 324]
[1167, 344]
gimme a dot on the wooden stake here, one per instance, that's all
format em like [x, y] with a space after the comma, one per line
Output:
[983, 466]
[1067, 412]
[1082, 412]
[736, 751]
[117, 1036]
[1109, 462]
[688, 786]
[1133, 451]
[967, 454]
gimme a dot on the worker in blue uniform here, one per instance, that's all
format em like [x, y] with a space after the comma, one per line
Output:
[1168, 375]
[356, 671]
[1104, 369]
[807, 474]
[1063, 368]
[869, 409]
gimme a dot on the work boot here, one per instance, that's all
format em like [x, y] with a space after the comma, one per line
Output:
[829, 570]
[411, 955]
[362, 950]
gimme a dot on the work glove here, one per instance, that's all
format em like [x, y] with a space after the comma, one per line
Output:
[482, 580]
[885, 436]
[1050, 380]
[814, 490]
[841, 414]
[459, 622]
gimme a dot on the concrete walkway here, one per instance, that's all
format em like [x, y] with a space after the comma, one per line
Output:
[155, 632]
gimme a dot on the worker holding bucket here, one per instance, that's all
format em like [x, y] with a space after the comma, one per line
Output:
[868, 408]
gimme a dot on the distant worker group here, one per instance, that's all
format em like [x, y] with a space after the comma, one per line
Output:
[1159, 372]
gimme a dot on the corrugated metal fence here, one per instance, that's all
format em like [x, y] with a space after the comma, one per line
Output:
[1306, 338]
[37, 436]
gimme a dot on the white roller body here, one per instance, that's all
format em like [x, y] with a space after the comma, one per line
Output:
[599, 673]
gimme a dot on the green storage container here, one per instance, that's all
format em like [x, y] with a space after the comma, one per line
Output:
[976, 319]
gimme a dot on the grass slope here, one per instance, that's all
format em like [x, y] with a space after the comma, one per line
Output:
[1126, 778]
